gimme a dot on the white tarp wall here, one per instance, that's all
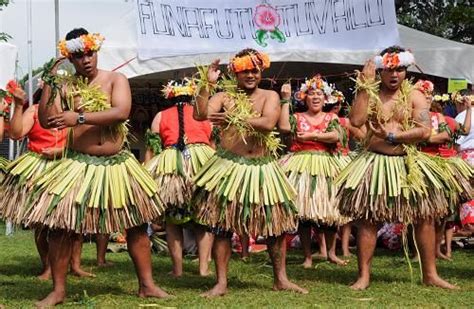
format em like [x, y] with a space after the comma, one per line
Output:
[8, 56]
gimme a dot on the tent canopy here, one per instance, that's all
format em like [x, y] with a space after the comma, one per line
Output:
[8, 56]
[434, 55]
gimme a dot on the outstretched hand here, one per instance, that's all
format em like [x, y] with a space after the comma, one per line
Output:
[63, 120]
[214, 72]
[286, 91]
[368, 72]
[19, 96]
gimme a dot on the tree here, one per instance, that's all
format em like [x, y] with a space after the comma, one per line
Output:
[4, 36]
[450, 19]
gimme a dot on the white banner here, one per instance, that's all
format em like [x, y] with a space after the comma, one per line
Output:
[187, 27]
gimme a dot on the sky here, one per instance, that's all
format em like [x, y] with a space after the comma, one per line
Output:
[90, 14]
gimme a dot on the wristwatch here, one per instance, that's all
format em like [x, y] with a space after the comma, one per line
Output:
[391, 138]
[81, 119]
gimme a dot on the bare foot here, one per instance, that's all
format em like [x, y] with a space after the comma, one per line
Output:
[153, 291]
[206, 273]
[105, 264]
[51, 300]
[347, 254]
[45, 275]
[82, 274]
[175, 275]
[335, 260]
[320, 256]
[441, 256]
[308, 263]
[288, 286]
[440, 283]
[361, 284]
[217, 290]
[448, 254]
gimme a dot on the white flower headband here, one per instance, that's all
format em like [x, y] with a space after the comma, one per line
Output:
[394, 60]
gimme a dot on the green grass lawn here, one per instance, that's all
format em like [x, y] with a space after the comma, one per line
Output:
[250, 283]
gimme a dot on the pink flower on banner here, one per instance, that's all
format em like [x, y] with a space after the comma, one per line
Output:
[266, 17]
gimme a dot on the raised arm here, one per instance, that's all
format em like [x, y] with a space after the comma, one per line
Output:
[203, 106]
[465, 128]
[44, 110]
[21, 122]
[441, 137]
[284, 125]
[358, 114]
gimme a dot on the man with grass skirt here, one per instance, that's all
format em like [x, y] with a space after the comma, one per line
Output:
[97, 187]
[390, 180]
[242, 189]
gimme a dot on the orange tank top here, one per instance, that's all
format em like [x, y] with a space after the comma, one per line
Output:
[195, 132]
[39, 138]
[303, 125]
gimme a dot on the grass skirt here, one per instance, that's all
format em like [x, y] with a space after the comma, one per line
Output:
[378, 188]
[19, 182]
[89, 194]
[312, 174]
[463, 173]
[173, 171]
[244, 195]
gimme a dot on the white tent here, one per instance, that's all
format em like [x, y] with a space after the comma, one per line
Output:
[435, 56]
[8, 56]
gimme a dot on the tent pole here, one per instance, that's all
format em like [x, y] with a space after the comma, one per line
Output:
[56, 25]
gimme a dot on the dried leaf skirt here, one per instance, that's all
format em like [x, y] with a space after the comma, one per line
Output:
[312, 174]
[244, 195]
[18, 184]
[173, 171]
[405, 189]
[89, 194]
[462, 173]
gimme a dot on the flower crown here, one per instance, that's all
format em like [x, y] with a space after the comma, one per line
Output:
[425, 86]
[7, 93]
[258, 60]
[175, 89]
[314, 83]
[394, 60]
[336, 97]
[441, 98]
[84, 44]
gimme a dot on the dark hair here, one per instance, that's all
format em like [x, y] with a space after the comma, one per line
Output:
[246, 51]
[465, 92]
[392, 49]
[75, 33]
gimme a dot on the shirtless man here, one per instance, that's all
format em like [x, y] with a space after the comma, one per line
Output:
[92, 139]
[247, 66]
[387, 137]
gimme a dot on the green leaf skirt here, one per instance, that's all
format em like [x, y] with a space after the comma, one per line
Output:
[18, 184]
[173, 172]
[90, 194]
[244, 195]
[312, 174]
[382, 188]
